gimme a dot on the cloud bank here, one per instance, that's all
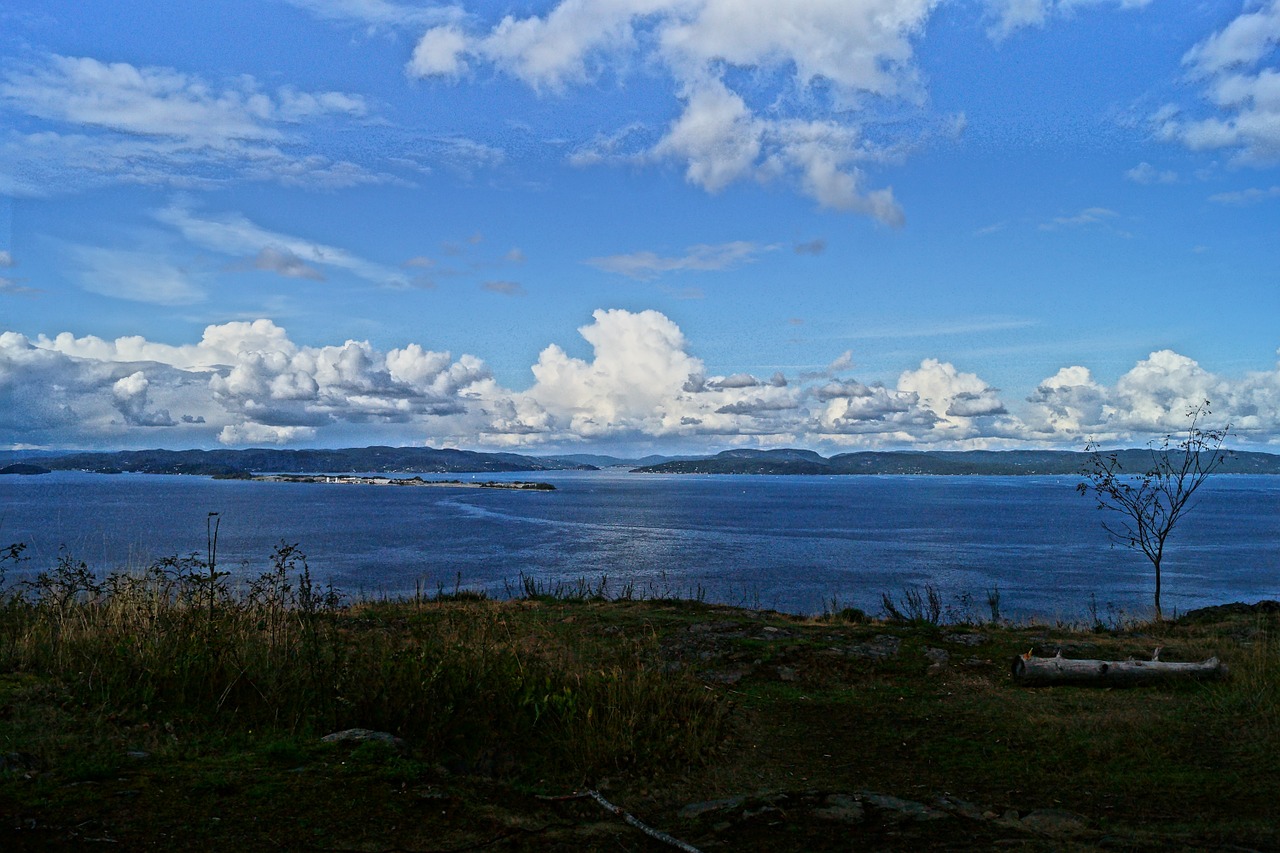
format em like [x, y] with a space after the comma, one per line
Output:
[246, 383]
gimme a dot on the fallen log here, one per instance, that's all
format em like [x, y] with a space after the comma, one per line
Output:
[1033, 671]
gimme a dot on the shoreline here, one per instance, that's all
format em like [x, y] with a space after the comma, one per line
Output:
[415, 481]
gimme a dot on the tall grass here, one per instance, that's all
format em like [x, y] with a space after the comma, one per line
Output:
[457, 678]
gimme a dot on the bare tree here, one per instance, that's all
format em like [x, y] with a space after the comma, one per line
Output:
[1148, 505]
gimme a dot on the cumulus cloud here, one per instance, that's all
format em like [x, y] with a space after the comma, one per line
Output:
[1246, 40]
[813, 68]
[1237, 68]
[130, 395]
[248, 383]
[439, 53]
[1067, 405]
[631, 383]
[951, 395]
[648, 265]
[1155, 394]
[243, 382]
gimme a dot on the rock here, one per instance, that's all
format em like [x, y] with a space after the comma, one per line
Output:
[937, 655]
[694, 810]
[965, 639]
[138, 754]
[883, 647]
[840, 808]
[1055, 822]
[899, 809]
[964, 808]
[725, 676]
[364, 736]
[763, 811]
[786, 673]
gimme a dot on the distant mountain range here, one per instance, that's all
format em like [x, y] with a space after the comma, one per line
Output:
[231, 463]
[425, 460]
[991, 462]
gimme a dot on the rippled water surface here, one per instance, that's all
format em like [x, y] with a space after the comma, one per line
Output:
[792, 543]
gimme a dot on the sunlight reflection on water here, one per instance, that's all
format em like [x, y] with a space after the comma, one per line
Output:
[792, 543]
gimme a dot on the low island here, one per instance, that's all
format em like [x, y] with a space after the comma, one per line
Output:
[359, 480]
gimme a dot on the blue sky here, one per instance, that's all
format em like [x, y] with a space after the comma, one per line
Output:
[637, 225]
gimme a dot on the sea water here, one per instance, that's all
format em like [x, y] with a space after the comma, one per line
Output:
[793, 543]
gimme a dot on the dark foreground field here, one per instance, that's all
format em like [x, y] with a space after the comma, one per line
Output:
[152, 717]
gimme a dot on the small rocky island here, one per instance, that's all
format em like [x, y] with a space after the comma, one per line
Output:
[358, 480]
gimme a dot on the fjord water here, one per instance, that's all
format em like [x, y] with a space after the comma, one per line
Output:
[792, 543]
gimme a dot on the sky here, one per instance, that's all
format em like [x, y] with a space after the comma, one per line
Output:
[637, 226]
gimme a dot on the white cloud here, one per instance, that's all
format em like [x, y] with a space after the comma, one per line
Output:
[1253, 195]
[703, 258]
[286, 263]
[1155, 394]
[1088, 216]
[220, 345]
[6, 259]
[1145, 173]
[130, 393]
[635, 377]
[378, 12]
[234, 234]
[951, 395]
[83, 91]
[439, 54]
[134, 275]
[241, 383]
[117, 122]
[15, 287]
[1066, 406]
[1236, 65]
[249, 383]
[1244, 41]
[813, 69]
[717, 136]
[249, 434]
[1009, 16]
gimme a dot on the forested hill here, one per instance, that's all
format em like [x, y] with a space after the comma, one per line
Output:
[229, 463]
[425, 460]
[991, 462]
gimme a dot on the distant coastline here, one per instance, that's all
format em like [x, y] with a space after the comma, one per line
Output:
[373, 462]
[358, 480]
